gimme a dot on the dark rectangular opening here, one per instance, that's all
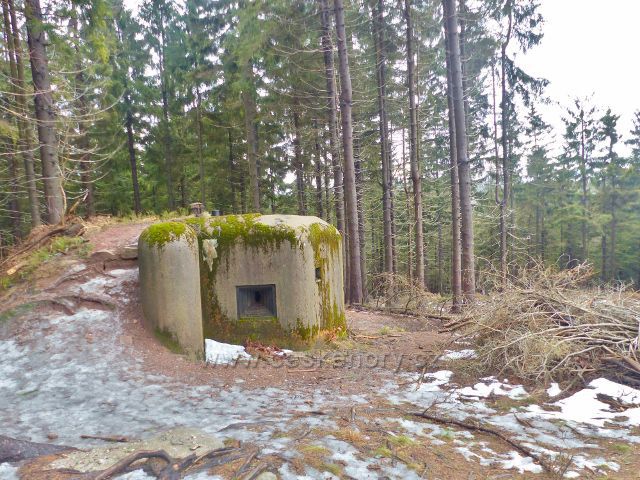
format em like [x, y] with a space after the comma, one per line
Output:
[256, 301]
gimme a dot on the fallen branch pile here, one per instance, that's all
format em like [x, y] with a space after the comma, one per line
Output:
[554, 325]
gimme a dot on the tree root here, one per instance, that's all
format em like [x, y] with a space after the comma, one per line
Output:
[126, 462]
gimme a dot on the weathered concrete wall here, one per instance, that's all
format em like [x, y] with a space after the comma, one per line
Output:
[283, 250]
[168, 257]
[190, 271]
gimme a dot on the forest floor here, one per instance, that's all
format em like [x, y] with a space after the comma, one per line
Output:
[75, 359]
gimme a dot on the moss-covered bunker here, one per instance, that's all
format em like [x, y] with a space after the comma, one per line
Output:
[272, 278]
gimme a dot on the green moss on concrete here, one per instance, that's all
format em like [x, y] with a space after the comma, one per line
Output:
[159, 234]
[266, 330]
[328, 235]
[167, 339]
[229, 229]
[326, 241]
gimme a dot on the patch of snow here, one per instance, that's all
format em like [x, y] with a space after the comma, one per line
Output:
[345, 453]
[8, 472]
[399, 470]
[584, 406]
[571, 474]
[202, 476]
[595, 464]
[483, 390]
[441, 377]
[218, 353]
[120, 271]
[458, 354]
[520, 463]
[135, 475]
[554, 390]
[283, 353]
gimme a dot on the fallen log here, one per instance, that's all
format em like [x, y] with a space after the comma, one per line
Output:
[13, 450]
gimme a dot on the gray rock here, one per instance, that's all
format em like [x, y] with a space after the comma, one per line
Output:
[128, 252]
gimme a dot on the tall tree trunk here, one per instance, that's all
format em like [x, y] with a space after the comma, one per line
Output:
[355, 283]
[332, 114]
[10, 146]
[584, 182]
[26, 139]
[604, 264]
[233, 178]
[464, 170]
[82, 106]
[378, 33]
[326, 172]
[166, 135]
[44, 109]
[407, 199]
[133, 164]
[456, 272]
[249, 105]
[203, 182]
[15, 216]
[318, 167]
[298, 163]
[506, 174]
[360, 200]
[183, 189]
[413, 152]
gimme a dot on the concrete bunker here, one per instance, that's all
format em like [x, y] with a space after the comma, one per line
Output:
[276, 279]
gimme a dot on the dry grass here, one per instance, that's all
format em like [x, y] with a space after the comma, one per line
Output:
[555, 325]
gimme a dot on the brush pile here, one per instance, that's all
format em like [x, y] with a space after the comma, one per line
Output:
[556, 325]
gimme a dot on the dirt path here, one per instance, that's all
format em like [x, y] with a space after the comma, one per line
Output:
[338, 411]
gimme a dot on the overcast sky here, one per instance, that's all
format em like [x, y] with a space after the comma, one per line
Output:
[590, 47]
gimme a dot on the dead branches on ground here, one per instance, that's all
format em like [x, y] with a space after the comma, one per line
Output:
[556, 325]
[39, 237]
[477, 426]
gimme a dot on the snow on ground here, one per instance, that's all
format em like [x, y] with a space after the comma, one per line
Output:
[494, 387]
[69, 375]
[8, 472]
[458, 354]
[218, 353]
[554, 428]
[584, 406]
[554, 390]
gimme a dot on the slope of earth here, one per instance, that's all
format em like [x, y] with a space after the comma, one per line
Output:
[348, 408]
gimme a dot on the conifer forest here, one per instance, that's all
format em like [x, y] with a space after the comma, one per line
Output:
[319, 239]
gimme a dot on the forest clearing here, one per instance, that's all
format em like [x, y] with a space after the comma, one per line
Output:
[319, 239]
